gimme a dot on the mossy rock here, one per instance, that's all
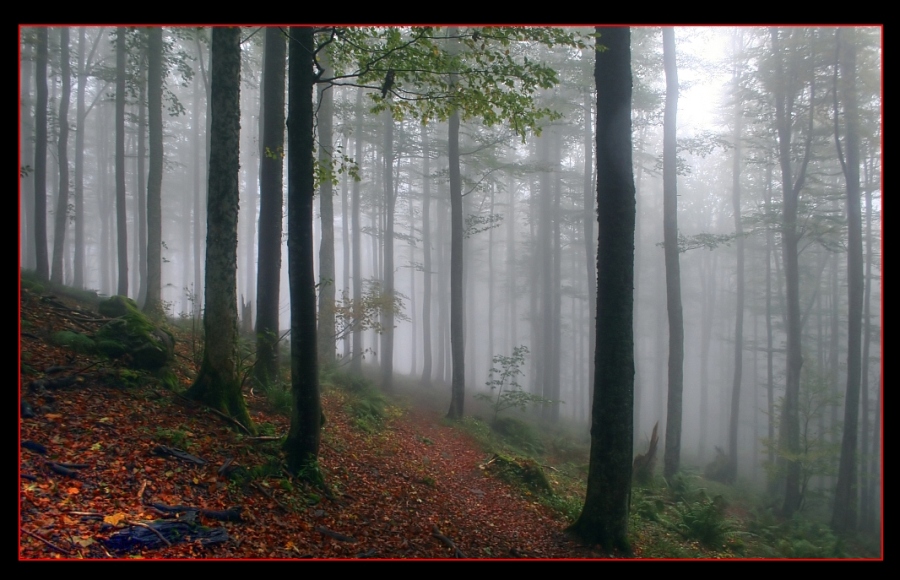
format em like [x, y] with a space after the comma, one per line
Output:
[74, 340]
[521, 471]
[149, 346]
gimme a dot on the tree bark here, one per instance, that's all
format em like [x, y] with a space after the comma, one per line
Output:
[218, 383]
[604, 518]
[844, 518]
[40, 156]
[426, 259]
[325, 119]
[673, 270]
[62, 154]
[271, 205]
[302, 444]
[457, 314]
[121, 218]
[153, 303]
[387, 314]
[739, 281]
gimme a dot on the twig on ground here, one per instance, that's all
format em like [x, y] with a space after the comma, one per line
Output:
[49, 543]
[457, 553]
[151, 528]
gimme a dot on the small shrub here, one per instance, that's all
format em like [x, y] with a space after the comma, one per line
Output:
[173, 437]
[519, 434]
[703, 520]
[521, 471]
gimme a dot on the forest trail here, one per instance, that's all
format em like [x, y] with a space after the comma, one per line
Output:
[95, 463]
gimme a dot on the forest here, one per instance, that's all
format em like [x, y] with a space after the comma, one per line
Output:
[640, 266]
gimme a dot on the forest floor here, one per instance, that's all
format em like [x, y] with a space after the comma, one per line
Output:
[94, 470]
[113, 464]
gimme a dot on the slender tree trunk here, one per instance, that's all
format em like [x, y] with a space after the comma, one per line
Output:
[844, 518]
[40, 157]
[789, 434]
[673, 271]
[302, 444]
[325, 120]
[590, 240]
[739, 281]
[121, 218]
[62, 152]
[271, 205]
[79, 160]
[153, 302]
[26, 157]
[390, 200]
[457, 314]
[426, 259]
[356, 227]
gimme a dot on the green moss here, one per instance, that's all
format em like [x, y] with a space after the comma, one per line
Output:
[74, 341]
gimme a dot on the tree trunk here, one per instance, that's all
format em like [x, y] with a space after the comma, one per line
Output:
[590, 240]
[844, 518]
[739, 281]
[356, 229]
[673, 271]
[121, 218]
[457, 330]
[218, 383]
[40, 156]
[426, 259]
[604, 519]
[62, 153]
[325, 118]
[789, 434]
[153, 303]
[387, 314]
[271, 205]
[302, 444]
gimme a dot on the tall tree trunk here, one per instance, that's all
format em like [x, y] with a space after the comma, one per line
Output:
[844, 518]
[62, 153]
[457, 314]
[590, 240]
[271, 205]
[387, 314]
[40, 157]
[153, 302]
[356, 228]
[325, 120]
[426, 259]
[739, 280]
[139, 234]
[789, 434]
[121, 218]
[673, 271]
[26, 156]
[604, 519]
[302, 444]
[79, 158]
[218, 383]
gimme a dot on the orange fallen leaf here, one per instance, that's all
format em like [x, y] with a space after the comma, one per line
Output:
[114, 519]
[72, 490]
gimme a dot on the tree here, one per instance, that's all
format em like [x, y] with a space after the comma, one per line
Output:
[785, 89]
[62, 199]
[302, 444]
[40, 156]
[673, 271]
[218, 383]
[739, 280]
[121, 218]
[325, 123]
[154, 177]
[271, 202]
[844, 518]
[604, 518]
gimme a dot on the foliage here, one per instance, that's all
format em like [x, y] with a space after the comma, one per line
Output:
[519, 434]
[366, 314]
[503, 378]
[703, 519]
[819, 449]
[492, 76]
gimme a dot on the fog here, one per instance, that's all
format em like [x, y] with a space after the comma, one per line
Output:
[525, 264]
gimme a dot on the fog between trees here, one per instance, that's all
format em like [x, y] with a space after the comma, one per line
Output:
[528, 207]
